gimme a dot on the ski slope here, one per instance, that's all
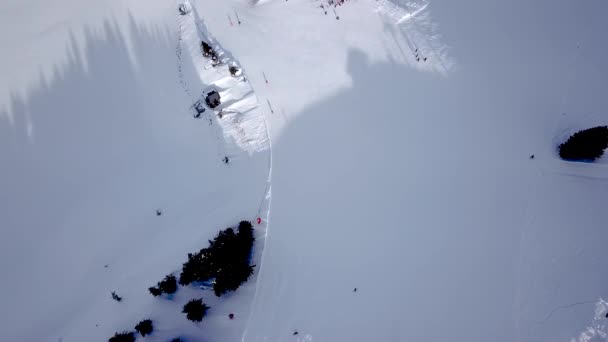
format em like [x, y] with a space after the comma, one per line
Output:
[372, 168]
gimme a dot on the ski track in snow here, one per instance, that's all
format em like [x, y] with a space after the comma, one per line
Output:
[422, 39]
[242, 123]
[564, 307]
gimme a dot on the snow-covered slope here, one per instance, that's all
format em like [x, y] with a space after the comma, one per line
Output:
[88, 158]
[416, 188]
[406, 179]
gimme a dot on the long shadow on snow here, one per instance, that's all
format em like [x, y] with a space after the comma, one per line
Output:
[378, 188]
[92, 153]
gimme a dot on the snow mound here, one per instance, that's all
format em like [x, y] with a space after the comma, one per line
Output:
[597, 330]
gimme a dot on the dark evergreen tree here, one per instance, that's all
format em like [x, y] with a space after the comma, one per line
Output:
[229, 279]
[144, 327]
[168, 285]
[199, 267]
[125, 336]
[195, 310]
[233, 70]
[585, 145]
[155, 291]
[207, 50]
[246, 239]
[116, 297]
[246, 232]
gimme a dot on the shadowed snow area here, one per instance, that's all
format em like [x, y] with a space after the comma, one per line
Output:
[491, 265]
[401, 135]
[102, 149]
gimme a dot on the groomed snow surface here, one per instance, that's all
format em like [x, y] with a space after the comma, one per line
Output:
[385, 145]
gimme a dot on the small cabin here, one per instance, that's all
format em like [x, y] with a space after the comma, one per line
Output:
[212, 99]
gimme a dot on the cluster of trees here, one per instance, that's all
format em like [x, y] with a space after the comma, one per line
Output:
[167, 285]
[209, 52]
[144, 327]
[125, 336]
[585, 145]
[226, 260]
[195, 310]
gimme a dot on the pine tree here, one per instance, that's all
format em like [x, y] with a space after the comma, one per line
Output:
[155, 291]
[585, 145]
[168, 285]
[195, 310]
[207, 50]
[124, 336]
[230, 278]
[144, 327]
[199, 267]
[233, 70]
[246, 231]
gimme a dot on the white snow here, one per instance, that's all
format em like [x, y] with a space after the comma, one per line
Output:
[408, 180]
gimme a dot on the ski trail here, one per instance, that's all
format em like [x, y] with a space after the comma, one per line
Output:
[266, 202]
[238, 20]
[414, 14]
[413, 50]
[411, 15]
[180, 71]
[564, 307]
[242, 120]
